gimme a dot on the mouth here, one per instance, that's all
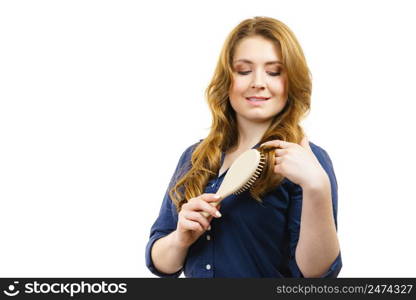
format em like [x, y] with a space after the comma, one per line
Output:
[257, 100]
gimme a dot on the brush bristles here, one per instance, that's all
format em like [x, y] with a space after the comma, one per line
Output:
[253, 178]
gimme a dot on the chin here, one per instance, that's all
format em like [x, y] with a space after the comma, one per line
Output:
[258, 119]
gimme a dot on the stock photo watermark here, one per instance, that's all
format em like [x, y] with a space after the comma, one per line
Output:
[71, 289]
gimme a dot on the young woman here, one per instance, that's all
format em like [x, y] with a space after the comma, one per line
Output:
[285, 226]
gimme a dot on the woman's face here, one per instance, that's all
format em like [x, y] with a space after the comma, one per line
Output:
[257, 72]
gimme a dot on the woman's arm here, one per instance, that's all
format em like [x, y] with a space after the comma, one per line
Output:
[318, 244]
[317, 247]
[168, 255]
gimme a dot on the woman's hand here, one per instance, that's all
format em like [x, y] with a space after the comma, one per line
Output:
[191, 223]
[298, 163]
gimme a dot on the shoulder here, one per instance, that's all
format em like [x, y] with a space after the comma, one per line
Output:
[186, 155]
[185, 159]
[184, 163]
[325, 161]
[321, 154]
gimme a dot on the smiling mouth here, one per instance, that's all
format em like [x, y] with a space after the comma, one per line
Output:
[257, 99]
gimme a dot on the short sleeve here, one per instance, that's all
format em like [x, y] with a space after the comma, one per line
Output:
[295, 215]
[167, 220]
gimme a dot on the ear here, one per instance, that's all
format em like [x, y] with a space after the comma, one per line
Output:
[305, 143]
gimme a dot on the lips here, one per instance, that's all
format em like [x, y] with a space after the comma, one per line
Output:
[257, 99]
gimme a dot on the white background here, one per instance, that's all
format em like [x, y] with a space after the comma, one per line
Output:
[98, 99]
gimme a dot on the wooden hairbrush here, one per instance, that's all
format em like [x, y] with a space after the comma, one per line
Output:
[241, 175]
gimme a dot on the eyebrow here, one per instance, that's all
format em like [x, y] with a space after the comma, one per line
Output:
[275, 62]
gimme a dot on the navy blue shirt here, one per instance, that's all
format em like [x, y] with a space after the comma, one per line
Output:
[251, 239]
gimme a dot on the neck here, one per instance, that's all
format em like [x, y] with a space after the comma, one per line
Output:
[250, 133]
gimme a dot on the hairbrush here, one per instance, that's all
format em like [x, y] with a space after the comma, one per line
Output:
[241, 175]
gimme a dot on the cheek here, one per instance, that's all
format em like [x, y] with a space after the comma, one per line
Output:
[239, 85]
[235, 93]
[281, 84]
[280, 87]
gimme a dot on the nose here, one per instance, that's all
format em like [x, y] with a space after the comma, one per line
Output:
[258, 81]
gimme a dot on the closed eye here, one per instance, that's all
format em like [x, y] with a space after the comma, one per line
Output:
[270, 73]
[274, 73]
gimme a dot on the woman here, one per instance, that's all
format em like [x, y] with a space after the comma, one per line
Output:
[285, 226]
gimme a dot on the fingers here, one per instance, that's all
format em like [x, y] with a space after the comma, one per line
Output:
[280, 152]
[190, 216]
[199, 204]
[276, 143]
[209, 197]
[278, 169]
[278, 160]
[206, 215]
[186, 224]
[195, 217]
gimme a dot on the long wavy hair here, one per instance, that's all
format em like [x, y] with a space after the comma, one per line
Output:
[223, 135]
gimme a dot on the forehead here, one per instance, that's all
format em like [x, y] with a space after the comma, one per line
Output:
[257, 50]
